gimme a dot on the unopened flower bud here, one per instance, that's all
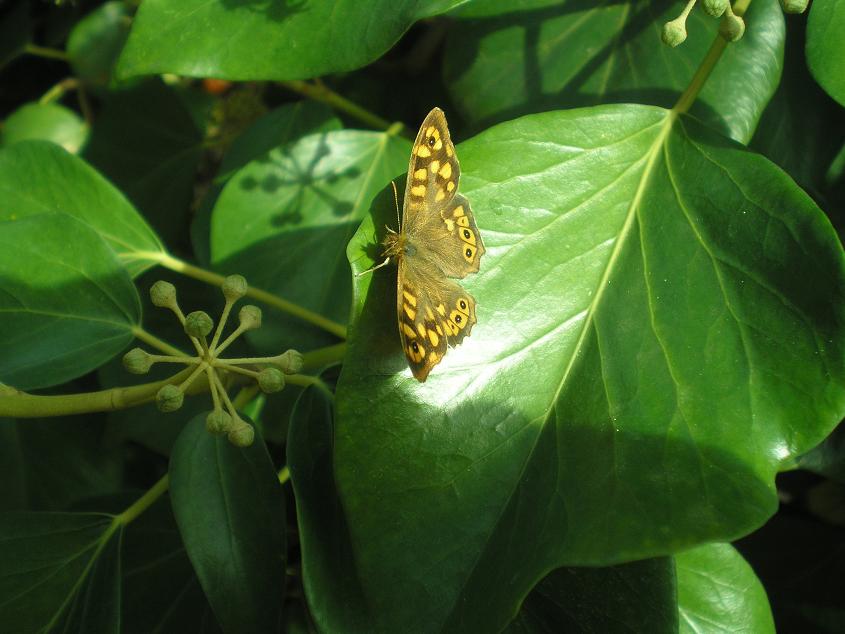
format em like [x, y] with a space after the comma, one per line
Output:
[242, 435]
[198, 324]
[218, 422]
[732, 27]
[250, 317]
[137, 361]
[169, 398]
[674, 32]
[234, 287]
[271, 380]
[794, 6]
[163, 294]
[289, 362]
[714, 8]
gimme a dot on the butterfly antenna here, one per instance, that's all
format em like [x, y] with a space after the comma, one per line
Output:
[396, 202]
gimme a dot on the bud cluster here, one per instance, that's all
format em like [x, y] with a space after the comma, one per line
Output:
[268, 372]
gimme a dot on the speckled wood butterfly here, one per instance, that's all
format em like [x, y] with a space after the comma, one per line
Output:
[438, 239]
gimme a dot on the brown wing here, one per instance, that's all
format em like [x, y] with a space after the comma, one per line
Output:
[433, 172]
[452, 240]
[434, 312]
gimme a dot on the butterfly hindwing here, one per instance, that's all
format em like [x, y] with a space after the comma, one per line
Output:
[432, 317]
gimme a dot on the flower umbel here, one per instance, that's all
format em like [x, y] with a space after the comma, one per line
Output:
[267, 372]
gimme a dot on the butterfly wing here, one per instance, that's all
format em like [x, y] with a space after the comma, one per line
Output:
[434, 313]
[433, 172]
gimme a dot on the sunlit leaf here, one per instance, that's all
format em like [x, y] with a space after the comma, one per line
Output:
[647, 352]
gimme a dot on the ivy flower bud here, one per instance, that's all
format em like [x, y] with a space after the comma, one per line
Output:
[137, 361]
[794, 6]
[732, 27]
[250, 317]
[242, 435]
[234, 287]
[714, 8]
[289, 362]
[163, 294]
[674, 32]
[271, 380]
[218, 422]
[169, 398]
[198, 324]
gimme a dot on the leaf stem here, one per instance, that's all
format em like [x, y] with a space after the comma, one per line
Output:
[707, 65]
[57, 91]
[321, 357]
[144, 502]
[49, 53]
[321, 92]
[180, 266]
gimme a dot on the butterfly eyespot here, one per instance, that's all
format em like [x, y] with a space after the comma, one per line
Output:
[462, 304]
[458, 320]
[468, 253]
[466, 234]
[431, 141]
[415, 347]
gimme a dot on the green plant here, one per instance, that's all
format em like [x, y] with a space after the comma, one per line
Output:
[660, 315]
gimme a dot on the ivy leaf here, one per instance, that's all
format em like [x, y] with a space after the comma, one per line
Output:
[635, 597]
[68, 304]
[231, 514]
[825, 49]
[61, 571]
[283, 220]
[49, 122]
[266, 39]
[647, 352]
[718, 590]
[526, 61]
[58, 182]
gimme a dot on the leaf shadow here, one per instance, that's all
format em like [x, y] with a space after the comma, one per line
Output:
[285, 169]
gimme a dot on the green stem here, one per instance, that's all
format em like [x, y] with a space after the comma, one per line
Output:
[707, 65]
[43, 51]
[155, 342]
[175, 264]
[58, 90]
[320, 92]
[144, 502]
[17, 404]
[322, 357]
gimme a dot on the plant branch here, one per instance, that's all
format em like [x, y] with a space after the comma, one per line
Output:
[707, 65]
[144, 502]
[320, 92]
[175, 264]
[49, 53]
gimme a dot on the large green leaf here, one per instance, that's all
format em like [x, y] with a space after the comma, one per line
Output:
[718, 591]
[647, 352]
[635, 597]
[825, 46]
[277, 128]
[579, 53]
[231, 515]
[67, 305]
[61, 572]
[284, 219]
[47, 466]
[60, 182]
[266, 39]
[165, 594]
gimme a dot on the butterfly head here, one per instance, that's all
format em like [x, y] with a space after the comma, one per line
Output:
[397, 246]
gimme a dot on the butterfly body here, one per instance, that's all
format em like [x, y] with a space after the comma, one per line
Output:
[438, 239]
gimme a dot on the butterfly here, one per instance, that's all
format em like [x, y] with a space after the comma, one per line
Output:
[437, 240]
